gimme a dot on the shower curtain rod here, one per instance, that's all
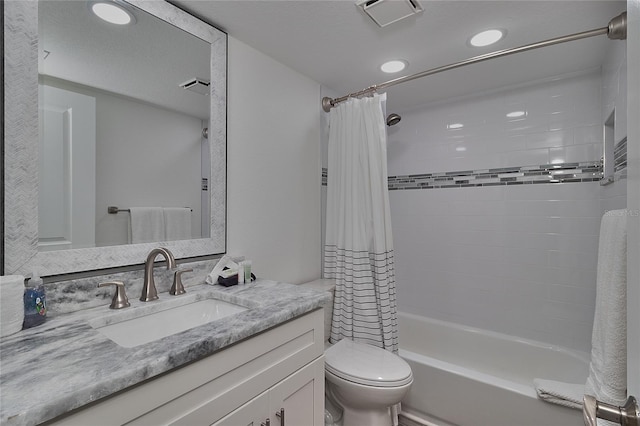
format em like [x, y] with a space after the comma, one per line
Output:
[616, 30]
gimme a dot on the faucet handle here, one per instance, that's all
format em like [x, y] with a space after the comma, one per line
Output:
[120, 299]
[177, 288]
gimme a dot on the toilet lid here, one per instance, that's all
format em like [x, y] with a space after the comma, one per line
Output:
[367, 365]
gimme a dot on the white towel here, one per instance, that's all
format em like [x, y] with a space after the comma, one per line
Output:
[11, 304]
[147, 224]
[177, 223]
[567, 394]
[607, 379]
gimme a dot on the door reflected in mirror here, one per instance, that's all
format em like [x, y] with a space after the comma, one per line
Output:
[117, 129]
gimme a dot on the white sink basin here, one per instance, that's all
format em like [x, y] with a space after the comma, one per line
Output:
[144, 329]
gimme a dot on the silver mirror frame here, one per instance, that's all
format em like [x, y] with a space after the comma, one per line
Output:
[21, 255]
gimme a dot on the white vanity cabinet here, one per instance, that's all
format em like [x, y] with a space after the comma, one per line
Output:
[243, 384]
[292, 399]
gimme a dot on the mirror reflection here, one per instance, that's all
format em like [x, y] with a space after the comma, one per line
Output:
[123, 158]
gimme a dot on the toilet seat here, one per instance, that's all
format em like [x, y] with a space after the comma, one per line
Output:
[367, 365]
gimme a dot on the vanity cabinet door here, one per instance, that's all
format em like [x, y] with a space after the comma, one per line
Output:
[253, 413]
[300, 396]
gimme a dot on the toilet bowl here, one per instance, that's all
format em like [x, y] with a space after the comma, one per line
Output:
[363, 380]
[366, 382]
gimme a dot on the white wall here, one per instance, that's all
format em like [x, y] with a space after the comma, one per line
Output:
[273, 166]
[145, 156]
[516, 259]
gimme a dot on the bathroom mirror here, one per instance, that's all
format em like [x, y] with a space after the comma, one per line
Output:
[164, 48]
[117, 129]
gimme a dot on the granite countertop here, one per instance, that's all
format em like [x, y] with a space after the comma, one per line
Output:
[64, 364]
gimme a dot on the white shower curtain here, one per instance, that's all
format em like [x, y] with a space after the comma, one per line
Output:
[359, 247]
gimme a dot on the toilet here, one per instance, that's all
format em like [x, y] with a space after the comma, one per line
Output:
[363, 380]
[366, 381]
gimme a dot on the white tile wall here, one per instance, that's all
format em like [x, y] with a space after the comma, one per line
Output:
[614, 87]
[614, 95]
[519, 259]
[562, 123]
[514, 263]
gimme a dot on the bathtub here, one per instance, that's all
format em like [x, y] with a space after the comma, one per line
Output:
[468, 376]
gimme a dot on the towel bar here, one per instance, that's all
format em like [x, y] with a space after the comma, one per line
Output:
[116, 210]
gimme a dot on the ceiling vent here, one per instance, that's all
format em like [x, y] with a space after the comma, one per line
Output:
[196, 85]
[385, 12]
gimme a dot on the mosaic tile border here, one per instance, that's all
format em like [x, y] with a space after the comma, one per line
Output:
[540, 174]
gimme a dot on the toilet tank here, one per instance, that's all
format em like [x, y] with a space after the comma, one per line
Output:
[328, 285]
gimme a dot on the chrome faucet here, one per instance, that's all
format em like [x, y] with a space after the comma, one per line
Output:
[149, 291]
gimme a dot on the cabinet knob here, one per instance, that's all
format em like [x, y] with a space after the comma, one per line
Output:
[280, 415]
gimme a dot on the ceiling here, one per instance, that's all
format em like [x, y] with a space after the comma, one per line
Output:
[146, 61]
[335, 44]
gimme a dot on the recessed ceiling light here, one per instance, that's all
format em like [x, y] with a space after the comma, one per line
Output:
[461, 149]
[516, 114]
[396, 65]
[485, 38]
[112, 12]
[455, 126]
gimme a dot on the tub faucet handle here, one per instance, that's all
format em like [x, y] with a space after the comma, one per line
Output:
[627, 415]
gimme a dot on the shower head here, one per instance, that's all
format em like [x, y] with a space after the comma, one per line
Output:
[393, 119]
